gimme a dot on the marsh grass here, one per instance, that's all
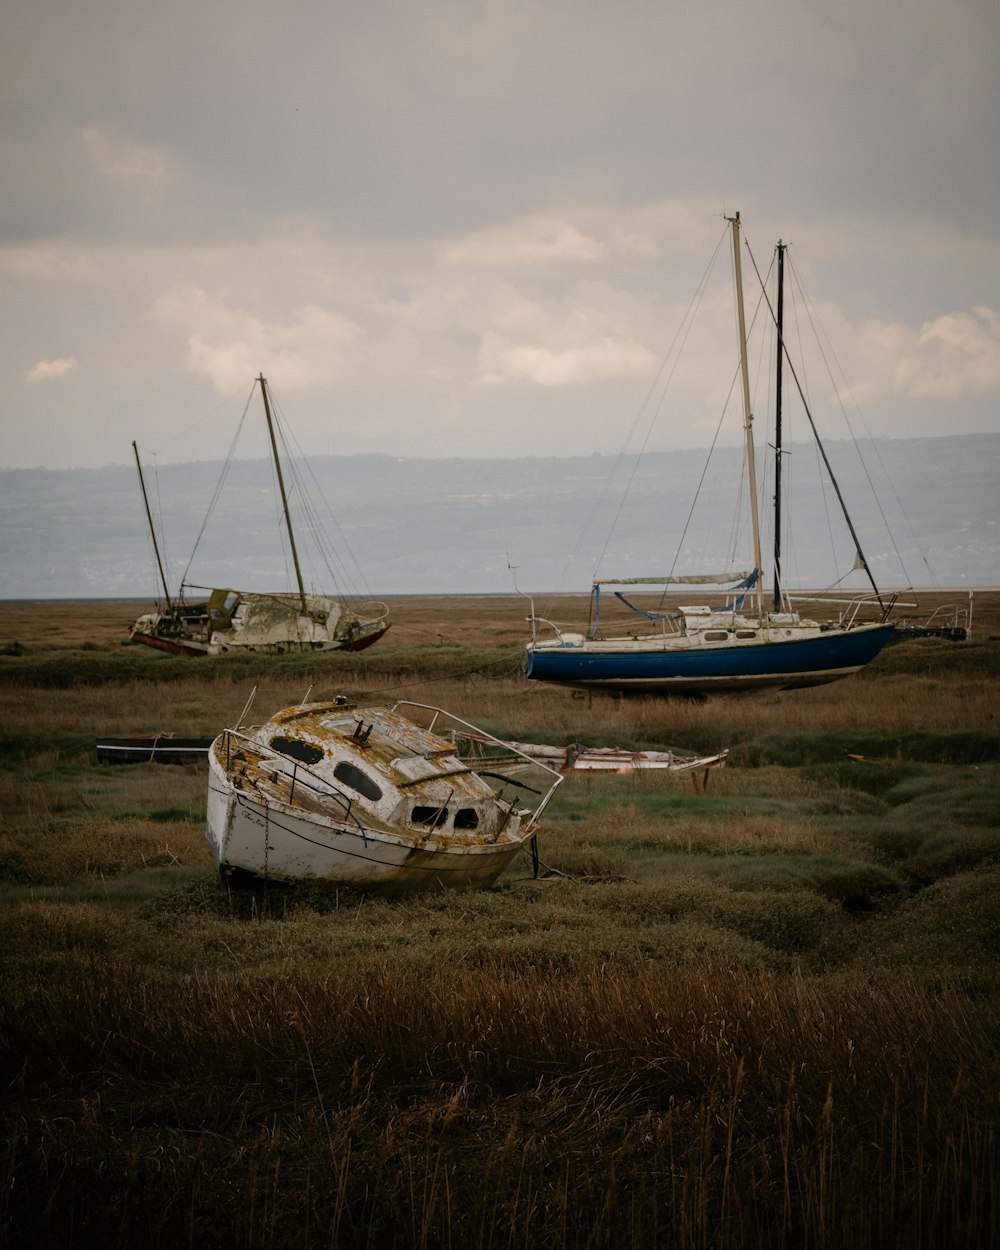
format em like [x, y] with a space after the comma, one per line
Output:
[601, 1110]
[763, 1015]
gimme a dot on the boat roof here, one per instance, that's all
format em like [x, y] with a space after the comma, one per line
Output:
[387, 741]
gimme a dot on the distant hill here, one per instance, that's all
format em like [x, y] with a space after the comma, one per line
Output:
[450, 526]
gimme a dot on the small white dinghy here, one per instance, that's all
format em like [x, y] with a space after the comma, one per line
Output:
[371, 798]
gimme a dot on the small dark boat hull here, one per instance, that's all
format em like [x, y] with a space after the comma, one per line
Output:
[159, 750]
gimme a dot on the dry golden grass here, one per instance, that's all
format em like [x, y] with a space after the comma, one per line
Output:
[467, 620]
[763, 1015]
[443, 624]
[687, 1108]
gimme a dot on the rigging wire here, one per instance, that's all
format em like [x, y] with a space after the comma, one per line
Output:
[686, 326]
[673, 354]
[227, 464]
[701, 480]
[838, 391]
[335, 565]
[159, 512]
[741, 486]
[281, 520]
[821, 475]
[202, 420]
[299, 491]
[762, 370]
[860, 560]
[163, 536]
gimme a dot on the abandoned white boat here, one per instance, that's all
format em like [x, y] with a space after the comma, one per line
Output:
[220, 620]
[377, 798]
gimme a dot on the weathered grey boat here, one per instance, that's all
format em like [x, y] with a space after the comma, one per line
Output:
[222, 620]
[372, 798]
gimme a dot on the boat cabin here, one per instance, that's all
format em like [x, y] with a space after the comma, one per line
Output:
[375, 764]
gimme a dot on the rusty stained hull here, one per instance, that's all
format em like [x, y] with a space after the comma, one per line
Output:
[272, 841]
[181, 645]
[169, 645]
[369, 797]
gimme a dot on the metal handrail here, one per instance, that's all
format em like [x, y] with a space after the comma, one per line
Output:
[499, 742]
[342, 800]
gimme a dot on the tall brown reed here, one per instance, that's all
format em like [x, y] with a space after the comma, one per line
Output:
[700, 1107]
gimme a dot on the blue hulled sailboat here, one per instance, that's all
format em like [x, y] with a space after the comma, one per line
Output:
[743, 644]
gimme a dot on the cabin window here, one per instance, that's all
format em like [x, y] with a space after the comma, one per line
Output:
[296, 749]
[746, 633]
[355, 779]
[715, 635]
[466, 818]
[432, 816]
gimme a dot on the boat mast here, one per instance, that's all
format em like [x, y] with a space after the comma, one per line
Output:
[747, 415]
[281, 488]
[777, 429]
[860, 560]
[152, 528]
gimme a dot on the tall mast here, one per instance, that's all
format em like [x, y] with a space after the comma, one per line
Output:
[281, 488]
[860, 561]
[152, 528]
[777, 428]
[747, 415]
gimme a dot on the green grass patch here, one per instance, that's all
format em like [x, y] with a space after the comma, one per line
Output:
[32, 745]
[131, 891]
[952, 926]
[800, 750]
[976, 660]
[384, 667]
[762, 1015]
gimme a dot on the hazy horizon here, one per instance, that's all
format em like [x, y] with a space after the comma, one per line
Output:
[925, 511]
[128, 462]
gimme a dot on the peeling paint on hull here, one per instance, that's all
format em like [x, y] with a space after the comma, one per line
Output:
[272, 843]
[241, 622]
[363, 798]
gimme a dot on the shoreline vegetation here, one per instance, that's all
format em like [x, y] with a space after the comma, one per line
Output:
[762, 1015]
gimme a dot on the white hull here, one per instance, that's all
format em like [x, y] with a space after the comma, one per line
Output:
[351, 815]
[270, 842]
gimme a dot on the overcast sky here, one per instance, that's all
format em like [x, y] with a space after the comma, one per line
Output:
[453, 228]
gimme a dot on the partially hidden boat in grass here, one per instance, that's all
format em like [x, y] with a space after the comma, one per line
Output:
[578, 757]
[391, 799]
[155, 749]
[222, 619]
[743, 643]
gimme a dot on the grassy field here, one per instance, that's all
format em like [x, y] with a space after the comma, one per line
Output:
[763, 1015]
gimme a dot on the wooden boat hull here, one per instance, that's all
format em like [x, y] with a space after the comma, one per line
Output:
[660, 666]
